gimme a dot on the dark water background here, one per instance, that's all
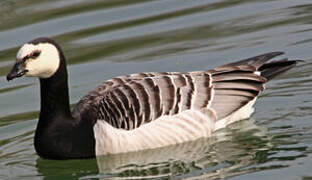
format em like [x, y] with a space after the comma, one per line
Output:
[103, 39]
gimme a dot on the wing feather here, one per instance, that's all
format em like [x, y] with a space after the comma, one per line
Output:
[143, 100]
[130, 101]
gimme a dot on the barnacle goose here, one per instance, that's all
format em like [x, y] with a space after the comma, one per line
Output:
[138, 111]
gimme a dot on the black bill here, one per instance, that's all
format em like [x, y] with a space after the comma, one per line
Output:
[18, 70]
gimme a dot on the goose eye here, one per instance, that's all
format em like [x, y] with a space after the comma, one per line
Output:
[35, 54]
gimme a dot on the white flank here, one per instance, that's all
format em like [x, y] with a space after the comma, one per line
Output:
[167, 130]
[45, 65]
[164, 131]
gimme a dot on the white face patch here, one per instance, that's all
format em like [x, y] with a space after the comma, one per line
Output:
[43, 66]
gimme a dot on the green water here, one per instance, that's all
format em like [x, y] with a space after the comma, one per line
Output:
[103, 39]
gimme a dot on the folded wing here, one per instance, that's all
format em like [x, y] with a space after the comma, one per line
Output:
[128, 102]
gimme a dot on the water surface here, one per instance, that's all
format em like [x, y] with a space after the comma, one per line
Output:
[103, 39]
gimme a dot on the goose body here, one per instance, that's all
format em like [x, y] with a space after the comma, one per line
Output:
[139, 111]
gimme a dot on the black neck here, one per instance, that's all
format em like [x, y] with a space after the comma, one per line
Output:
[58, 134]
[54, 95]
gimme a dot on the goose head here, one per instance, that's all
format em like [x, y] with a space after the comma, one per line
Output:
[37, 58]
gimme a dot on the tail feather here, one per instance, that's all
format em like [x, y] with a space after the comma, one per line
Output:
[239, 83]
[273, 69]
[250, 64]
